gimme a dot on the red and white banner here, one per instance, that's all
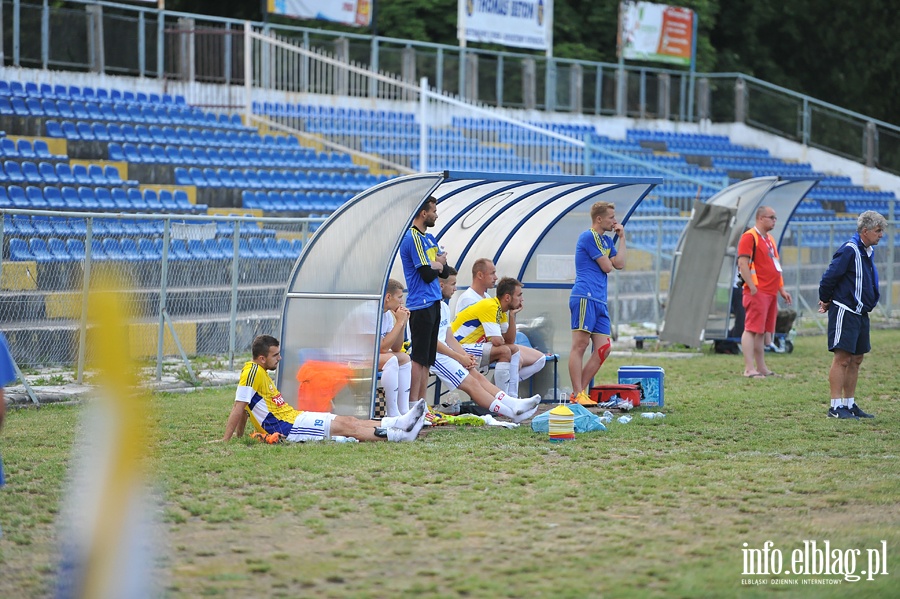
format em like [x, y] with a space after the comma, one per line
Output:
[656, 32]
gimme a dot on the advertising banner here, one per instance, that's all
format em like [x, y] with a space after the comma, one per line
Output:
[518, 23]
[348, 12]
[656, 32]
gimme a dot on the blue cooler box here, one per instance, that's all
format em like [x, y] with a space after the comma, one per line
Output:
[651, 380]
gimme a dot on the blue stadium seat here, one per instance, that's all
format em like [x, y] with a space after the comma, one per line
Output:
[39, 250]
[57, 248]
[53, 128]
[182, 177]
[111, 172]
[80, 172]
[42, 151]
[25, 149]
[19, 251]
[104, 198]
[65, 110]
[75, 248]
[14, 171]
[19, 107]
[148, 249]
[8, 148]
[113, 249]
[54, 198]
[71, 199]
[97, 176]
[115, 152]
[80, 112]
[101, 133]
[5, 202]
[36, 197]
[121, 201]
[64, 172]
[88, 199]
[31, 173]
[69, 130]
[42, 226]
[137, 200]
[115, 132]
[49, 108]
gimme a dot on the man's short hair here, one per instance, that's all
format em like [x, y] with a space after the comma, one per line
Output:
[394, 286]
[600, 209]
[761, 211]
[262, 344]
[480, 265]
[507, 285]
[449, 271]
[870, 220]
[424, 206]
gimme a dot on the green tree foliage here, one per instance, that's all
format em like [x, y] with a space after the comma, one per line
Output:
[841, 52]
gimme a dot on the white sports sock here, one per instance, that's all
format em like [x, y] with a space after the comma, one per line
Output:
[389, 381]
[524, 408]
[499, 407]
[405, 375]
[408, 421]
[527, 372]
[399, 435]
[512, 387]
[849, 401]
[501, 376]
[836, 402]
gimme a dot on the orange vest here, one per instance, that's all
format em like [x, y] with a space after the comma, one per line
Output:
[752, 265]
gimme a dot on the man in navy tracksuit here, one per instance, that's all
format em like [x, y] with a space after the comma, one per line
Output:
[849, 291]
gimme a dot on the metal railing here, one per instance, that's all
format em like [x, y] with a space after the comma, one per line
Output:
[196, 284]
[107, 37]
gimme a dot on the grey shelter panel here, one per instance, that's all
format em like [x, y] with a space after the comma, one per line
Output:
[527, 224]
[345, 265]
[693, 289]
[783, 195]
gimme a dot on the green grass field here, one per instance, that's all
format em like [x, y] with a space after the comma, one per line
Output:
[654, 508]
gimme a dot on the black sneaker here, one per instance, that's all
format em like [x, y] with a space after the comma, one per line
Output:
[842, 412]
[859, 413]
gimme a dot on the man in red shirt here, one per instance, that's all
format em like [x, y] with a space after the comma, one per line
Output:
[760, 269]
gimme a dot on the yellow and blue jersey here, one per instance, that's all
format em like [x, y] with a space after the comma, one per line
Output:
[268, 410]
[590, 280]
[416, 250]
[480, 321]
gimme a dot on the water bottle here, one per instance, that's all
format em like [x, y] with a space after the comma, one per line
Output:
[652, 415]
[624, 419]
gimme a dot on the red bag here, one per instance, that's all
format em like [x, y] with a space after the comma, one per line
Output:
[632, 393]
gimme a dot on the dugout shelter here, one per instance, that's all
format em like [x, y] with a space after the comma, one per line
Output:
[705, 259]
[527, 224]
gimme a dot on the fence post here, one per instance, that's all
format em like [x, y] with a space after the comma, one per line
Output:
[342, 76]
[17, 26]
[642, 95]
[163, 285]
[471, 92]
[703, 99]
[226, 59]
[740, 100]
[499, 76]
[663, 91]
[373, 65]
[95, 37]
[232, 326]
[576, 88]
[85, 289]
[142, 45]
[657, 266]
[621, 90]
[248, 73]
[598, 92]
[186, 49]
[423, 126]
[529, 82]
[550, 85]
[871, 145]
[45, 34]
[408, 70]
[161, 44]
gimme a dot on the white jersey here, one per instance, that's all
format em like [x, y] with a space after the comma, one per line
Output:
[445, 322]
[470, 297]
[356, 333]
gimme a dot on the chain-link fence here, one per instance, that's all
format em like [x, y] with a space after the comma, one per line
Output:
[197, 285]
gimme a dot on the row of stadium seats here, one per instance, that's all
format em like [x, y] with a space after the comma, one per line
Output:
[24, 149]
[101, 198]
[90, 131]
[274, 179]
[119, 113]
[73, 92]
[127, 249]
[176, 154]
[58, 226]
[45, 173]
[331, 112]
[275, 201]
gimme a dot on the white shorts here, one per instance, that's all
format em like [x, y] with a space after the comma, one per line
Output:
[481, 352]
[311, 426]
[451, 372]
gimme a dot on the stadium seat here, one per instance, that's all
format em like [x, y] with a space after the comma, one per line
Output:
[148, 249]
[121, 201]
[97, 176]
[75, 247]
[182, 177]
[104, 198]
[57, 249]
[88, 199]
[19, 251]
[54, 198]
[35, 197]
[14, 171]
[65, 110]
[39, 250]
[25, 149]
[71, 199]
[64, 172]
[69, 131]
[53, 128]
[31, 173]
[111, 172]
[42, 151]
[115, 152]
[80, 173]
